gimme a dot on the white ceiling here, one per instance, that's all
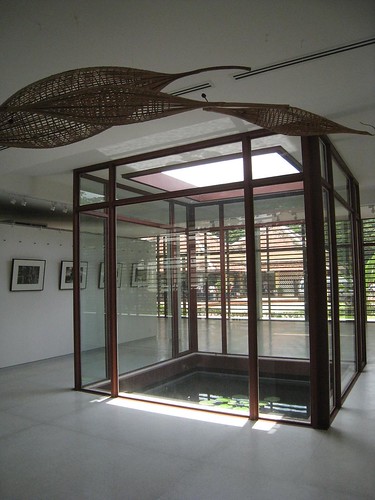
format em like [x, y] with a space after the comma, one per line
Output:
[40, 38]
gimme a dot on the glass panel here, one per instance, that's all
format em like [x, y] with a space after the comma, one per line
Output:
[172, 300]
[328, 246]
[128, 189]
[182, 293]
[222, 311]
[234, 215]
[213, 282]
[283, 339]
[346, 294]
[340, 181]
[220, 171]
[144, 252]
[269, 162]
[207, 216]
[180, 215]
[208, 279]
[221, 280]
[94, 354]
[202, 167]
[236, 289]
[151, 214]
[275, 156]
[93, 187]
[369, 254]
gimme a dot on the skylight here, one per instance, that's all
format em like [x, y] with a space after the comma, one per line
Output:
[227, 171]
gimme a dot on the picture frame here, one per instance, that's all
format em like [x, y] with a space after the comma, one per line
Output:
[83, 274]
[139, 274]
[101, 275]
[118, 274]
[27, 275]
[66, 275]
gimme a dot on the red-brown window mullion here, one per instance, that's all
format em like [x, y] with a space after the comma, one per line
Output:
[251, 284]
[111, 285]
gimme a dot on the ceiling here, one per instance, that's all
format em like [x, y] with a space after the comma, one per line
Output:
[40, 38]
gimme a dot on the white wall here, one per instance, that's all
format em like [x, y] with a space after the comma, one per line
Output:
[39, 324]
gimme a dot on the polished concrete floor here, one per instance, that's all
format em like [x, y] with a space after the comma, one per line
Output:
[59, 444]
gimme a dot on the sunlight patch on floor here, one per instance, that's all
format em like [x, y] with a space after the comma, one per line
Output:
[203, 416]
[266, 426]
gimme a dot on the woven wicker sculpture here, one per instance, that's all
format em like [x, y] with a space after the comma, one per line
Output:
[74, 105]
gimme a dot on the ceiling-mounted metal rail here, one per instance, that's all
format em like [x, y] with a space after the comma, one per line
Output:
[194, 88]
[302, 59]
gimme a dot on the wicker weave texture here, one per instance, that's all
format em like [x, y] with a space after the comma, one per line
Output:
[74, 105]
[288, 120]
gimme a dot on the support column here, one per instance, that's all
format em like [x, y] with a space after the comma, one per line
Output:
[317, 287]
[251, 284]
[76, 290]
[111, 285]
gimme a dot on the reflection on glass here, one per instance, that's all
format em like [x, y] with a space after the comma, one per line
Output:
[278, 155]
[236, 299]
[220, 250]
[346, 294]
[188, 158]
[369, 254]
[327, 244]
[94, 356]
[183, 289]
[205, 168]
[93, 187]
[208, 286]
[143, 297]
[128, 189]
[340, 181]
[283, 337]
[181, 171]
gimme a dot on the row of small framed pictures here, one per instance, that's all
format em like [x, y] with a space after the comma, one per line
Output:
[138, 276]
[28, 275]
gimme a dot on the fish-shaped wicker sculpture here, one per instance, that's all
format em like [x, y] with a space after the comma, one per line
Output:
[287, 120]
[74, 105]
[26, 123]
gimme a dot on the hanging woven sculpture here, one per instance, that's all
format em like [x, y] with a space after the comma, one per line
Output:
[74, 105]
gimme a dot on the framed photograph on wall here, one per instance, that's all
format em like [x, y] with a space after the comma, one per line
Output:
[83, 269]
[66, 275]
[27, 275]
[139, 274]
[118, 274]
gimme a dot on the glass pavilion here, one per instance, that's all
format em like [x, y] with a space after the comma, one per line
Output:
[224, 275]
